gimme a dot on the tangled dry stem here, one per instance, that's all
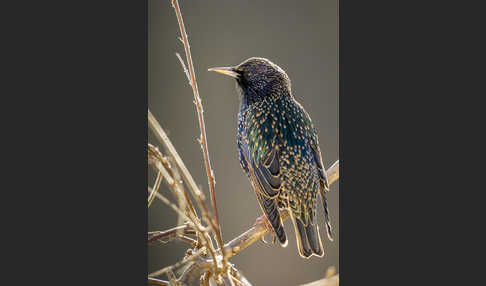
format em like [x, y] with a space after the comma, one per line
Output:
[203, 140]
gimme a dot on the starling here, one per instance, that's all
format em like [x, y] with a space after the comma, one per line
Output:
[279, 151]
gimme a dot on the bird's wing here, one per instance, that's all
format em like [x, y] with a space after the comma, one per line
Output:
[266, 174]
[324, 185]
[316, 152]
[265, 179]
[313, 143]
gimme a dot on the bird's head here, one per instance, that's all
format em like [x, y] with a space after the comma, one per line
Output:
[258, 78]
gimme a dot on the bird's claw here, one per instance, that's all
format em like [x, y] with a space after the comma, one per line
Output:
[269, 227]
[262, 239]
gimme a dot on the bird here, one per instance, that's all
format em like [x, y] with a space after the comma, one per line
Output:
[279, 151]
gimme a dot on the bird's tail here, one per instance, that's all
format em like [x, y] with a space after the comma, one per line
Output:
[308, 239]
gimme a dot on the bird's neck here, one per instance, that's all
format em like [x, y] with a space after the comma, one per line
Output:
[251, 97]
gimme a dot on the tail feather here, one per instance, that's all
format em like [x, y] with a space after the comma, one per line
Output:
[302, 242]
[314, 239]
[308, 239]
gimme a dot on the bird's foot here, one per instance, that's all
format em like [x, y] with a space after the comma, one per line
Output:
[263, 219]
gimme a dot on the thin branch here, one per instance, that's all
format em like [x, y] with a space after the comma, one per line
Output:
[184, 66]
[158, 235]
[205, 239]
[170, 204]
[172, 176]
[203, 140]
[156, 159]
[333, 173]
[164, 139]
[193, 257]
[155, 189]
[172, 278]
[162, 136]
[155, 281]
[156, 156]
[194, 271]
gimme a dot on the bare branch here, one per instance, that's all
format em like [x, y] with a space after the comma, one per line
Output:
[203, 140]
[194, 271]
[155, 281]
[178, 232]
[162, 136]
[333, 173]
[170, 204]
[193, 257]
[184, 67]
[172, 176]
[158, 180]
[156, 157]
[206, 240]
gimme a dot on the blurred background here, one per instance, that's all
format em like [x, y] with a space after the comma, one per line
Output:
[299, 36]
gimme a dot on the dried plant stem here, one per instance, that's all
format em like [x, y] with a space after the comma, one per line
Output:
[155, 281]
[157, 235]
[172, 176]
[202, 233]
[203, 140]
[158, 180]
[164, 139]
[193, 257]
[171, 205]
[156, 156]
[333, 172]
[171, 233]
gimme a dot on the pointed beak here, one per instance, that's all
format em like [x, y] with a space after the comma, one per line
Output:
[230, 71]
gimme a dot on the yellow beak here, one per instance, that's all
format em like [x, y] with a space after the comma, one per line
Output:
[225, 70]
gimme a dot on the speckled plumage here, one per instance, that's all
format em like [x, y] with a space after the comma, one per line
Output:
[279, 151]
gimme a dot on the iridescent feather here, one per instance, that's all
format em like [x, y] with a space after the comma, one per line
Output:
[279, 151]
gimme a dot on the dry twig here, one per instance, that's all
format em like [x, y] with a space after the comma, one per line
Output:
[155, 281]
[202, 126]
[177, 187]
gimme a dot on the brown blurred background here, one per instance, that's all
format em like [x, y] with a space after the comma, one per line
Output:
[299, 36]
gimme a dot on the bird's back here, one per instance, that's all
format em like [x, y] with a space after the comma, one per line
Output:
[282, 124]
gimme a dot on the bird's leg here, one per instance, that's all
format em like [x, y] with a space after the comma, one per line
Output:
[268, 225]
